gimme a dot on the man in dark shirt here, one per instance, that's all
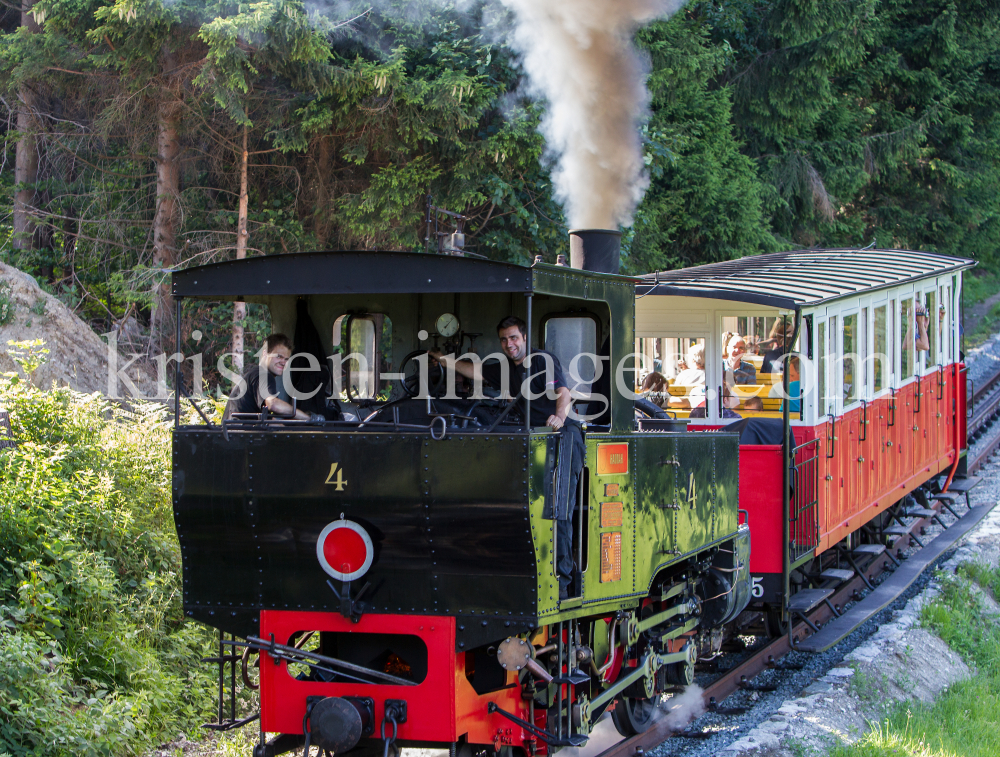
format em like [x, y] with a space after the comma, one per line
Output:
[550, 402]
[275, 355]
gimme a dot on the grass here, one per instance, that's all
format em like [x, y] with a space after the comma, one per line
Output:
[965, 720]
[978, 287]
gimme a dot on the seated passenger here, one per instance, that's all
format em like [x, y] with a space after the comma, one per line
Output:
[794, 391]
[754, 404]
[753, 344]
[694, 373]
[728, 402]
[742, 371]
[693, 377]
[654, 382]
[249, 396]
[780, 340]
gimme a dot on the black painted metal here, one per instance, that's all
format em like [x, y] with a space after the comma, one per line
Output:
[448, 519]
[349, 273]
[597, 250]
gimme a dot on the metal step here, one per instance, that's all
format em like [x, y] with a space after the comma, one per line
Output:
[922, 512]
[896, 530]
[807, 599]
[869, 549]
[962, 485]
[946, 496]
[837, 574]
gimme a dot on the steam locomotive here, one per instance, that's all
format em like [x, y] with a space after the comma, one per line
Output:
[389, 566]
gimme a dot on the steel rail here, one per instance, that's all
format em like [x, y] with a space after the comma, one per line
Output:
[985, 413]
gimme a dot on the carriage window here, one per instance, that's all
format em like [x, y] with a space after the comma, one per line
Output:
[852, 371]
[672, 373]
[932, 330]
[907, 327]
[864, 383]
[566, 337]
[821, 365]
[880, 357]
[942, 323]
[832, 364]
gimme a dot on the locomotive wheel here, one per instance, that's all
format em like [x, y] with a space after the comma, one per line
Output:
[634, 716]
[773, 624]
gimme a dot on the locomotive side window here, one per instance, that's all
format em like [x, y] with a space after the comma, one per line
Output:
[573, 339]
[367, 340]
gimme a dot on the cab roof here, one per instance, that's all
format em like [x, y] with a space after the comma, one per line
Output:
[369, 272]
[801, 278]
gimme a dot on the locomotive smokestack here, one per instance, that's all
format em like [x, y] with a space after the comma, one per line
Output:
[597, 250]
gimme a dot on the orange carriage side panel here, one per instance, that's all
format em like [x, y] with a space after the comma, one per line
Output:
[898, 456]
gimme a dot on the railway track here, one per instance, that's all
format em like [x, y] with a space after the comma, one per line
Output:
[984, 436]
[985, 412]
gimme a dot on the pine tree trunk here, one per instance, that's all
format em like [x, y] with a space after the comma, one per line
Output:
[168, 187]
[26, 157]
[240, 308]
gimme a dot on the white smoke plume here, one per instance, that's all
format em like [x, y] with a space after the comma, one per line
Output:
[580, 58]
[681, 709]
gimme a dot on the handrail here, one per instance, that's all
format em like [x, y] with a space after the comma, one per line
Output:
[831, 436]
[892, 407]
[918, 394]
[863, 436]
[941, 383]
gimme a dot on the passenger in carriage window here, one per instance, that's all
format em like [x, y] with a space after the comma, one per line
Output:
[693, 377]
[728, 402]
[920, 320]
[753, 404]
[742, 371]
[794, 387]
[694, 373]
[753, 344]
[779, 344]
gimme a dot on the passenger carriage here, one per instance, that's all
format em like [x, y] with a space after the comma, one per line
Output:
[878, 417]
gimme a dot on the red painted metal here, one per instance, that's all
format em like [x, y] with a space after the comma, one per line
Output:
[441, 708]
[760, 496]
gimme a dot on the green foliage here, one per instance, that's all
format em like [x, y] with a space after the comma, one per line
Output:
[6, 304]
[95, 657]
[772, 125]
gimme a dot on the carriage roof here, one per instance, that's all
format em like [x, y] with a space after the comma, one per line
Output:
[801, 278]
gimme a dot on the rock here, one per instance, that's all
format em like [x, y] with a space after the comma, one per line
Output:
[77, 356]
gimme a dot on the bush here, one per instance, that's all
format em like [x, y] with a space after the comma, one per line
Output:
[95, 654]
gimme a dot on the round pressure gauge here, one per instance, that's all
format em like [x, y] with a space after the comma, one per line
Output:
[447, 325]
